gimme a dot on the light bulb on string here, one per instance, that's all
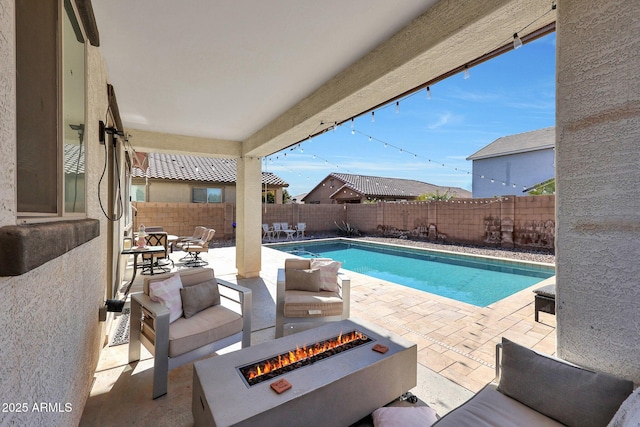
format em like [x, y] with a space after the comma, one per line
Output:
[373, 117]
[369, 139]
[517, 43]
[466, 74]
[397, 107]
[428, 92]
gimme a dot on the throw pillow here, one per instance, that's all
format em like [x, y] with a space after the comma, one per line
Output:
[167, 292]
[569, 394]
[328, 273]
[302, 280]
[409, 416]
[196, 298]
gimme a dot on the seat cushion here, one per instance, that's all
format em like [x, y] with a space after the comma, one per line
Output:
[209, 325]
[547, 291]
[312, 304]
[490, 408]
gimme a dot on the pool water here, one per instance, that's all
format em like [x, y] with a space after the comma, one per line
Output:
[471, 279]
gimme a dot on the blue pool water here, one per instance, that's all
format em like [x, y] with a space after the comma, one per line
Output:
[474, 280]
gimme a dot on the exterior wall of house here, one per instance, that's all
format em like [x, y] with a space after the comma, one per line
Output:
[51, 337]
[598, 185]
[321, 193]
[523, 169]
[168, 191]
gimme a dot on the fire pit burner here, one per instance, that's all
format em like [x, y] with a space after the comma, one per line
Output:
[263, 370]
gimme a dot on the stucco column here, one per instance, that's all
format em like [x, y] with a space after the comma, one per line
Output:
[278, 196]
[248, 217]
[598, 185]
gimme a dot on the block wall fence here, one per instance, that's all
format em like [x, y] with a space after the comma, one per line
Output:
[508, 221]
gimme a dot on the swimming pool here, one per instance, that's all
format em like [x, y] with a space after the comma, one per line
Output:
[472, 279]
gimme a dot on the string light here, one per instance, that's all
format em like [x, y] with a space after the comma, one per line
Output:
[466, 74]
[373, 117]
[428, 92]
[397, 107]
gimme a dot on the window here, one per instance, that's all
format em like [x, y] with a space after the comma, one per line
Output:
[138, 193]
[206, 195]
[50, 97]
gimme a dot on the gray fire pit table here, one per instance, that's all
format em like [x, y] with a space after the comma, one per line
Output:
[336, 391]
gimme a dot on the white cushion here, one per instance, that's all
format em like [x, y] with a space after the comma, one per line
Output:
[328, 274]
[629, 413]
[167, 292]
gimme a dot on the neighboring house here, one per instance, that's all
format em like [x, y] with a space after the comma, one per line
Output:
[191, 179]
[513, 163]
[348, 188]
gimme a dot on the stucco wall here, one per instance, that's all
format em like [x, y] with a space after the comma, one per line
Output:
[168, 191]
[523, 169]
[50, 335]
[598, 185]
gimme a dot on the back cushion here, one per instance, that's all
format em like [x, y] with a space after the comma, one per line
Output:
[328, 273]
[569, 394]
[302, 280]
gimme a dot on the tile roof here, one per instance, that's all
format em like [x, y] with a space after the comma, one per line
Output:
[196, 168]
[71, 153]
[519, 143]
[376, 186]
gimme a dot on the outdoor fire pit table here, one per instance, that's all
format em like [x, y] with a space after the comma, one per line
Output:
[334, 390]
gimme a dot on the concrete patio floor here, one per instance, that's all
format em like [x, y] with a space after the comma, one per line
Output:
[456, 343]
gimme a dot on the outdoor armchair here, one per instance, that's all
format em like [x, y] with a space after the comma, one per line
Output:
[310, 291]
[181, 329]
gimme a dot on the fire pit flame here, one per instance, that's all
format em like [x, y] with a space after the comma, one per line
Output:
[269, 368]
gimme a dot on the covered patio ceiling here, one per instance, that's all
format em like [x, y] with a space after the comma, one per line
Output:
[249, 78]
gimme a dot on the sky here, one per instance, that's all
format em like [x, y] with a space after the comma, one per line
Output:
[429, 139]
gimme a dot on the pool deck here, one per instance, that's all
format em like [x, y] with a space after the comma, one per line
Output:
[456, 343]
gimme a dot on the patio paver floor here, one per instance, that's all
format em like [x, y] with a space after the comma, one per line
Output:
[456, 341]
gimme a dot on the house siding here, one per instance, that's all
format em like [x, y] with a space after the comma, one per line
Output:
[523, 169]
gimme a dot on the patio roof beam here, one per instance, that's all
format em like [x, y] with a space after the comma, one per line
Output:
[146, 141]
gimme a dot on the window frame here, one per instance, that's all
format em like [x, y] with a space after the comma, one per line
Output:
[206, 199]
[28, 217]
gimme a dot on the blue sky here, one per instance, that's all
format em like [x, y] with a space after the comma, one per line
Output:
[510, 94]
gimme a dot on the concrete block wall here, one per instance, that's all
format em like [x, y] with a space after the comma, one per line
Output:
[460, 221]
[182, 218]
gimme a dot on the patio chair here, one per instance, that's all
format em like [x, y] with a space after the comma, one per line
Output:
[311, 291]
[267, 233]
[300, 229]
[180, 320]
[160, 260]
[276, 230]
[194, 249]
[198, 234]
